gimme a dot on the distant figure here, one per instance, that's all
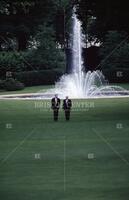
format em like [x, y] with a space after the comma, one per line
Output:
[55, 105]
[67, 104]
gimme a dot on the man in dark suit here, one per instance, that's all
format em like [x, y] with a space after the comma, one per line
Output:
[55, 105]
[67, 104]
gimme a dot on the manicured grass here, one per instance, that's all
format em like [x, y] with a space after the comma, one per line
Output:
[99, 127]
[124, 85]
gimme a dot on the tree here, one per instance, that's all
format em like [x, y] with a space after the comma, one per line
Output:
[99, 17]
[47, 54]
[20, 19]
[115, 51]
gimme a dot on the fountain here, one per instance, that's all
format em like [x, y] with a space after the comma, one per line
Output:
[79, 84]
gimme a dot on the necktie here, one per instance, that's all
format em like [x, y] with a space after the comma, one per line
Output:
[67, 102]
[55, 100]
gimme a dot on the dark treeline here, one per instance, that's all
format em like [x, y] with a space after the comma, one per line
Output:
[34, 34]
[102, 16]
[20, 19]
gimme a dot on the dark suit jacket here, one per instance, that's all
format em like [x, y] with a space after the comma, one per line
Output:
[68, 105]
[54, 104]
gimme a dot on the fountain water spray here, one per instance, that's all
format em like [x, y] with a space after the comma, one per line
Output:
[79, 84]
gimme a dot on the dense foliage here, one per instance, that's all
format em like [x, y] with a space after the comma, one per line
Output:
[42, 77]
[47, 54]
[11, 61]
[34, 34]
[102, 16]
[11, 84]
[115, 51]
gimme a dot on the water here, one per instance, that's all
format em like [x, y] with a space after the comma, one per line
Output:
[80, 84]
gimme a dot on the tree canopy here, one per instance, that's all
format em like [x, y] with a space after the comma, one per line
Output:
[40, 29]
[20, 19]
[99, 17]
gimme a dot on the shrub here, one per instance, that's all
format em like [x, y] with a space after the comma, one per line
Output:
[11, 61]
[117, 76]
[43, 77]
[2, 84]
[115, 51]
[12, 85]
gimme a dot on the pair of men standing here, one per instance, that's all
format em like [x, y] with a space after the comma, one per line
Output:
[55, 104]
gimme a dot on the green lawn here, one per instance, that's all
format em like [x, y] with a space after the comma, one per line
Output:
[45, 160]
[124, 85]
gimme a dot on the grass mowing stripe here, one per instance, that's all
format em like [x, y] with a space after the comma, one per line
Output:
[111, 147]
[64, 150]
[17, 147]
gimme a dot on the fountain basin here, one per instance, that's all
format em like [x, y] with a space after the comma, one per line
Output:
[48, 96]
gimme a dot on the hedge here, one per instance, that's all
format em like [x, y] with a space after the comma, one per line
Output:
[43, 77]
[11, 84]
[117, 76]
[11, 61]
